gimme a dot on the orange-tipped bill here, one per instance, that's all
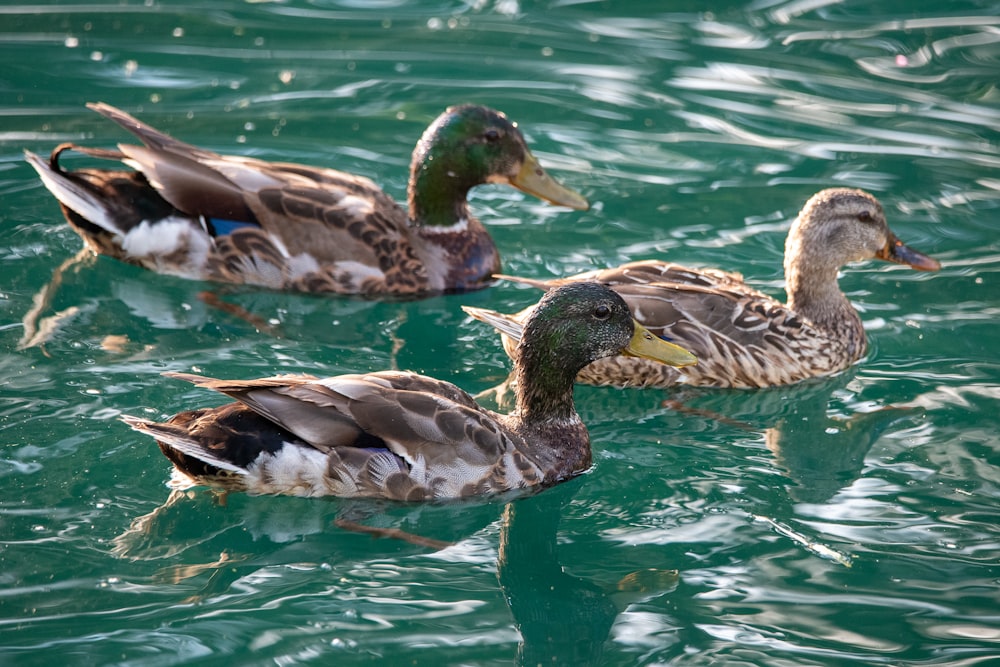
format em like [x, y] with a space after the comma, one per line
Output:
[898, 252]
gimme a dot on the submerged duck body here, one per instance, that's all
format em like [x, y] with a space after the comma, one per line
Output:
[193, 213]
[742, 337]
[405, 436]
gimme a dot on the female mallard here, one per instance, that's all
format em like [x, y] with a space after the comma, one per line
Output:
[404, 436]
[742, 337]
[189, 212]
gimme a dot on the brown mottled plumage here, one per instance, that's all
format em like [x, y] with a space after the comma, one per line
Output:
[742, 337]
[190, 212]
[405, 436]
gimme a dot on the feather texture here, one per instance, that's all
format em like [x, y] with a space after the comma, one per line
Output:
[190, 212]
[405, 436]
[741, 336]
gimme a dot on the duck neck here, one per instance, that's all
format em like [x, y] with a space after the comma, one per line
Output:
[457, 251]
[437, 194]
[814, 295]
[544, 385]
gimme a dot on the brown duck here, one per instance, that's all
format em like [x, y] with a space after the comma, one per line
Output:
[189, 212]
[409, 437]
[742, 337]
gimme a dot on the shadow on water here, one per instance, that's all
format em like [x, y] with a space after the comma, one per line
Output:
[819, 431]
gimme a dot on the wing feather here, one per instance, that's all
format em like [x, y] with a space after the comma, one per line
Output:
[415, 417]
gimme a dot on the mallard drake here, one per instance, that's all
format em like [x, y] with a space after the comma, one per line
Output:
[405, 436]
[190, 212]
[742, 337]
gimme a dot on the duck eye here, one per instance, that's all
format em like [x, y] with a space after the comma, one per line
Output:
[602, 312]
[865, 216]
[491, 135]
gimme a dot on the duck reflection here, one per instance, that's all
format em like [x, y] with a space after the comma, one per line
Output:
[559, 615]
[124, 314]
[556, 613]
[819, 431]
[168, 304]
[204, 540]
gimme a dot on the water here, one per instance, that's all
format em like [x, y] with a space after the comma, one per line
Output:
[848, 521]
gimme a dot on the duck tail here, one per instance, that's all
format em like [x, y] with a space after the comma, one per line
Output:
[185, 451]
[86, 210]
[505, 324]
[534, 282]
[106, 206]
[149, 135]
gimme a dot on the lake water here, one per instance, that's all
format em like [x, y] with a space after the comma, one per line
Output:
[841, 522]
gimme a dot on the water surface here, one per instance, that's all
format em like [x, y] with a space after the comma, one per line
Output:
[839, 522]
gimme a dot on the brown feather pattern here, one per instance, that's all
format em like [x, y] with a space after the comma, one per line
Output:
[400, 435]
[193, 213]
[741, 336]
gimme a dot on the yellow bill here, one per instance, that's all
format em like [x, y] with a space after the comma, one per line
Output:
[534, 180]
[644, 344]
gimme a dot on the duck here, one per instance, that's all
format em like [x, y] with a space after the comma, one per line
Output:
[744, 338]
[402, 436]
[190, 212]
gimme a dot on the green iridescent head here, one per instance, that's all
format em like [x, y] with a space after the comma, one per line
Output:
[469, 145]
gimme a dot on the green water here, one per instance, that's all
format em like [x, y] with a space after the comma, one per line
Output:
[719, 535]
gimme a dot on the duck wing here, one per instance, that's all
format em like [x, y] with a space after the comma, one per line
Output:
[654, 271]
[691, 315]
[741, 336]
[642, 273]
[389, 434]
[334, 230]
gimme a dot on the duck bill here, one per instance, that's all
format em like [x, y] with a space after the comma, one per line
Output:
[534, 180]
[896, 251]
[645, 344]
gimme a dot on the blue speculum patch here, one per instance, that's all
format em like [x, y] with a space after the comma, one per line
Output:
[220, 227]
